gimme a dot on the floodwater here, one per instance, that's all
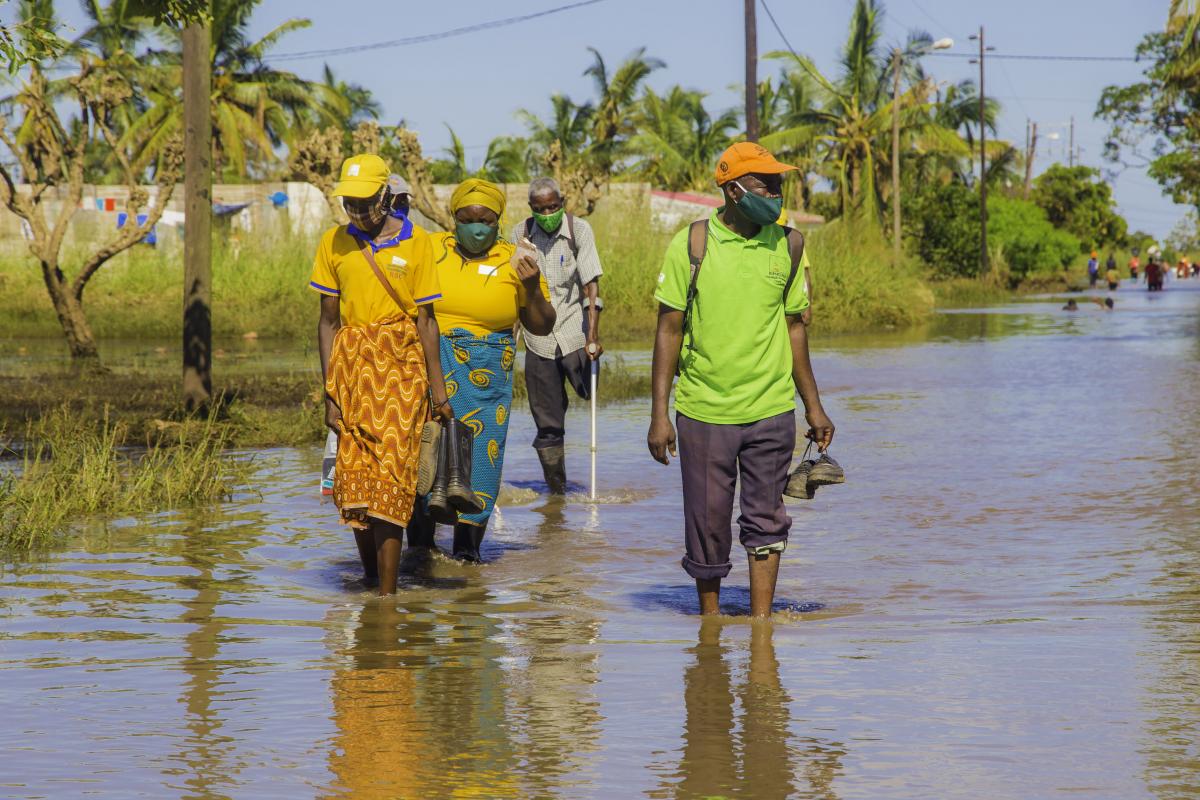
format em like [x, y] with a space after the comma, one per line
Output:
[1003, 601]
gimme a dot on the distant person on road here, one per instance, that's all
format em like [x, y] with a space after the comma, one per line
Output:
[731, 298]
[1113, 278]
[567, 257]
[1071, 306]
[377, 338]
[1154, 274]
[1134, 266]
[1093, 269]
[1111, 263]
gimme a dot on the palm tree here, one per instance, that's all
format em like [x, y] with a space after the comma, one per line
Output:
[569, 123]
[616, 95]
[361, 105]
[851, 117]
[255, 108]
[677, 139]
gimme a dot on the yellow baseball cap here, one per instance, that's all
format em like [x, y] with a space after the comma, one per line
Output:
[362, 176]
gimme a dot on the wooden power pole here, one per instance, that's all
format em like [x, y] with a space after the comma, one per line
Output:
[751, 72]
[197, 232]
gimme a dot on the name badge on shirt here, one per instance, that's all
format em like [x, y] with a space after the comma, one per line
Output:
[397, 261]
[397, 265]
[488, 270]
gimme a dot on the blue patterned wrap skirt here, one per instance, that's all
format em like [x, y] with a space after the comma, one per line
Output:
[479, 381]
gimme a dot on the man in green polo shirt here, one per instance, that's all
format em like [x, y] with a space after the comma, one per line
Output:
[744, 355]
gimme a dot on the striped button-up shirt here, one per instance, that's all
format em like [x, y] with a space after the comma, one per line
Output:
[566, 276]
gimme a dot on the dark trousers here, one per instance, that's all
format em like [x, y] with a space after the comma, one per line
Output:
[545, 380]
[711, 458]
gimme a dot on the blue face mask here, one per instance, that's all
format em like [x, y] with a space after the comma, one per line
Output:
[475, 237]
[758, 209]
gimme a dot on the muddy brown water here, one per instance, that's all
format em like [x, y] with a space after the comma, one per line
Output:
[1002, 601]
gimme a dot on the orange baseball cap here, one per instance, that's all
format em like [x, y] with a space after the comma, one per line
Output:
[744, 158]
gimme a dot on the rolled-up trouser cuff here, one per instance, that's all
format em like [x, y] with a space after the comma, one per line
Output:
[763, 549]
[705, 572]
[755, 540]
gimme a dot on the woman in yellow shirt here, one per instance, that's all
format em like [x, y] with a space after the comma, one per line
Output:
[484, 292]
[377, 338]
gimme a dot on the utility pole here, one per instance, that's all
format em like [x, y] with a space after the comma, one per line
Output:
[983, 214]
[1071, 155]
[896, 57]
[1030, 149]
[751, 72]
[197, 231]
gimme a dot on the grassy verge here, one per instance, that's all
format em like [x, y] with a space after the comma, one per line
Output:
[72, 469]
[262, 287]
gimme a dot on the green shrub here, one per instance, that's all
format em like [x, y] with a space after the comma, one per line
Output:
[941, 224]
[1030, 243]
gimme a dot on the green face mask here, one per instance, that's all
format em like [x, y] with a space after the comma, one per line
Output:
[549, 222]
[758, 209]
[475, 237]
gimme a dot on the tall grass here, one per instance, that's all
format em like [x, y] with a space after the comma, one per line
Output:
[72, 470]
[262, 287]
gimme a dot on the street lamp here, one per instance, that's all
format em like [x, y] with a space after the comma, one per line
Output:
[897, 57]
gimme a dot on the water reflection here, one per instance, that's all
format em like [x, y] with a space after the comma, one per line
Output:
[421, 704]
[737, 739]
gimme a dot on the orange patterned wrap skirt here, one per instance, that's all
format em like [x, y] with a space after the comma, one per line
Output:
[377, 378]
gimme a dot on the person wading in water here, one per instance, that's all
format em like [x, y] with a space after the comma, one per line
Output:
[730, 296]
[567, 257]
[378, 341]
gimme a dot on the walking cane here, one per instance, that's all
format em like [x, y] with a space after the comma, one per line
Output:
[595, 373]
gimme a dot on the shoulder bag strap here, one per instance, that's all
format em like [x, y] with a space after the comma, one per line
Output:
[528, 227]
[369, 255]
[697, 245]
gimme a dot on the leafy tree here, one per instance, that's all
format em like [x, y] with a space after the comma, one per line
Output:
[1076, 200]
[942, 226]
[32, 38]
[678, 141]
[1154, 122]
[1029, 242]
[851, 119]
[256, 108]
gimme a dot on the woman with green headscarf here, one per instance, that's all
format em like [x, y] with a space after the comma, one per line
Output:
[484, 293]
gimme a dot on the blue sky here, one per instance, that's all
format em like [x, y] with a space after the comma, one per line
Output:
[475, 82]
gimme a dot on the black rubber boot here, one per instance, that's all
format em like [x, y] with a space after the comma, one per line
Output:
[554, 468]
[467, 539]
[439, 498]
[459, 494]
[420, 529]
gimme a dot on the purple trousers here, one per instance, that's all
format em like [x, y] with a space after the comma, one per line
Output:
[711, 458]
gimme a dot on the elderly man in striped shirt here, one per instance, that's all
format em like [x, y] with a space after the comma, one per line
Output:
[568, 259]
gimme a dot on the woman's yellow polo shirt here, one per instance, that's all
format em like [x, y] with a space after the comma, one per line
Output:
[340, 270]
[481, 296]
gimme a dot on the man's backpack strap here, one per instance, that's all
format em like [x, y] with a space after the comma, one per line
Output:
[697, 245]
[571, 235]
[795, 242]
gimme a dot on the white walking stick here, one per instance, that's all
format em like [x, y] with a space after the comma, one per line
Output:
[595, 373]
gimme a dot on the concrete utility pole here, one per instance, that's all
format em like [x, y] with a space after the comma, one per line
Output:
[896, 58]
[1071, 155]
[197, 232]
[1030, 150]
[983, 215]
[751, 72]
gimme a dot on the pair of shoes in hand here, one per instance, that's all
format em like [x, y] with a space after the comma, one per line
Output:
[811, 474]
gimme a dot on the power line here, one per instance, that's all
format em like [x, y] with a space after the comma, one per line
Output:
[1027, 57]
[778, 29]
[429, 37]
